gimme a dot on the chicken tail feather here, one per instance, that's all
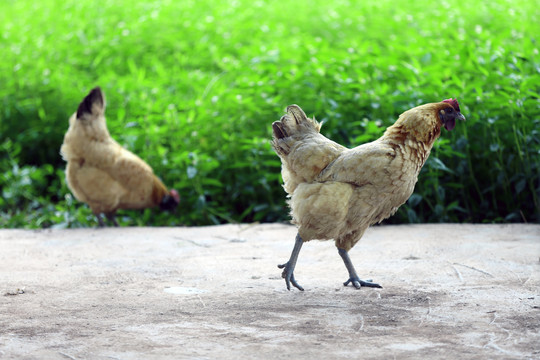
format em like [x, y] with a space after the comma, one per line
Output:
[294, 123]
[279, 130]
[93, 104]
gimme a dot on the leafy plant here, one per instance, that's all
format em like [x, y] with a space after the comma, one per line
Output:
[193, 87]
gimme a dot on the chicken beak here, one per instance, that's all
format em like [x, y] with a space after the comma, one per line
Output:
[460, 117]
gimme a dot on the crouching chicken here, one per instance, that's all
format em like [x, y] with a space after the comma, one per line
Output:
[102, 173]
[336, 192]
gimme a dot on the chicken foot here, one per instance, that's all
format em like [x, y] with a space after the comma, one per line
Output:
[288, 267]
[353, 276]
[110, 217]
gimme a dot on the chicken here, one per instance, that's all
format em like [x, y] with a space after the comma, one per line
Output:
[102, 173]
[337, 193]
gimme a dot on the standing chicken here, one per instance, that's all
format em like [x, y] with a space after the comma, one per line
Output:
[337, 193]
[102, 173]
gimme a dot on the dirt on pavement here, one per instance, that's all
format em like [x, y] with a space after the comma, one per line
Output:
[449, 291]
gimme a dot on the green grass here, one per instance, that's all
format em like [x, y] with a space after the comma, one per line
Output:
[193, 87]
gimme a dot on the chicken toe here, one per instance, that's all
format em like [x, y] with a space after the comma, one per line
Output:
[353, 276]
[358, 283]
[288, 275]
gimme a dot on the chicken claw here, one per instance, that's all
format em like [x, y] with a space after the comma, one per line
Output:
[353, 277]
[288, 275]
[288, 267]
[358, 283]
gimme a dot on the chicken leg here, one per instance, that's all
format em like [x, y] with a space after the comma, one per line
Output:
[101, 224]
[353, 276]
[112, 217]
[288, 267]
[109, 216]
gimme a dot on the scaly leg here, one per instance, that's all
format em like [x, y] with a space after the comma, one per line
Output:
[111, 217]
[101, 224]
[288, 267]
[353, 276]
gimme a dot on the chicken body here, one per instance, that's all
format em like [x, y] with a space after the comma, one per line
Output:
[102, 173]
[336, 192]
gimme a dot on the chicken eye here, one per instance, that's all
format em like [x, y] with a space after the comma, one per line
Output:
[450, 109]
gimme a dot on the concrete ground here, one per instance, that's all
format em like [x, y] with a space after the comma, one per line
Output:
[450, 292]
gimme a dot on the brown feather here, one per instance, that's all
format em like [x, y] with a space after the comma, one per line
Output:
[99, 171]
[337, 193]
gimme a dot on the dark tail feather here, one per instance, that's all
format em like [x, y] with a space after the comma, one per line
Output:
[292, 122]
[279, 130]
[94, 98]
[295, 122]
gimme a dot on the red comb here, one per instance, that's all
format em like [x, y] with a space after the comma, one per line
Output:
[453, 102]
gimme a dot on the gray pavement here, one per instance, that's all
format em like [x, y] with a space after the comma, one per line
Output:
[449, 292]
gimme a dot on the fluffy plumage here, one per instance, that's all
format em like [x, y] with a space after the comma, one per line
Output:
[102, 173]
[336, 192]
